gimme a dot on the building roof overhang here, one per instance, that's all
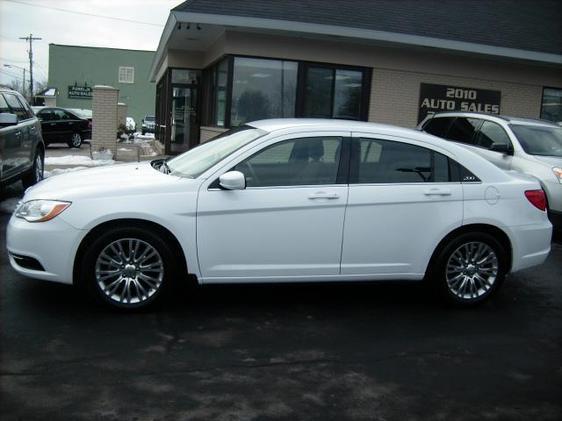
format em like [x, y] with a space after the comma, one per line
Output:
[212, 25]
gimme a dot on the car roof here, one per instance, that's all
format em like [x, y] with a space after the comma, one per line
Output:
[495, 117]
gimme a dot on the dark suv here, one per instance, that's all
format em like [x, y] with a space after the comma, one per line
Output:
[22, 151]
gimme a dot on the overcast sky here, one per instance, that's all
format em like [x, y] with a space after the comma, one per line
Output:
[19, 18]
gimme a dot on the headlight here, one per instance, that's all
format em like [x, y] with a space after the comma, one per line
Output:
[558, 173]
[40, 210]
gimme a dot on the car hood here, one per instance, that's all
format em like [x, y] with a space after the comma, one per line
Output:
[107, 181]
[553, 161]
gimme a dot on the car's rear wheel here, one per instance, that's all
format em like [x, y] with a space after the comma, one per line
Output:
[470, 268]
[75, 141]
[127, 268]
[35, 174]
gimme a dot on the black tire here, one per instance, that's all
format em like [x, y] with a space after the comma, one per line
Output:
[87, 275]
[37, 171]
[75, 141]
[438, 275]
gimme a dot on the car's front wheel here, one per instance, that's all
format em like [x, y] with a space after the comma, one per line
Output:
[127, 268]
[470, 268]
[75, 141]
[35, 174]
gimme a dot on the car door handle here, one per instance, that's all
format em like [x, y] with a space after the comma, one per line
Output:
[437, 192]
[52, 124]
[323, 195]
[18, 133]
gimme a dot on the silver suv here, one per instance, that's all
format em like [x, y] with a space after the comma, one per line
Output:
[529, 146]
[22, 151]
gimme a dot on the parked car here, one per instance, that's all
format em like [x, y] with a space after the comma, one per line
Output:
[22, 151]
[61, 125]
[529, 146]
[286, 201]
[148, 124]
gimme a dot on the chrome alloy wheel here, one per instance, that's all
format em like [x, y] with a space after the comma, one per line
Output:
[38, 168]
[472, 270]
[129, 271]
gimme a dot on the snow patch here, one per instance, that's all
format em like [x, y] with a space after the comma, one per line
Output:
[57, 171]
[77, 160]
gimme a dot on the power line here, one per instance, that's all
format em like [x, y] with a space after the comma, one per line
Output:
[60, 9]
[11, 74]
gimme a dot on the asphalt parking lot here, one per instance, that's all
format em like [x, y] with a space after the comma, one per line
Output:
[369, 351]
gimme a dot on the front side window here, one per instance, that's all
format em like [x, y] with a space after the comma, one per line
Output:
[126, 74]
[196, 161]
[333, 93]
[296, 162]
[3, 105]
[539, 140]
[16, 106]
[551, 108]
[384, 161]
[463, 129]
[491, 135]
[263, 89]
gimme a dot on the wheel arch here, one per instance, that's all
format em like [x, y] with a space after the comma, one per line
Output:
[129, 222]
[496, 232]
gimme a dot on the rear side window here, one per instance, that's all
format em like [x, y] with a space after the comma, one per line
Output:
[461, 174]
[438, 126]
[492, 134]
[463, 130]
[16, 106]
[384, 161]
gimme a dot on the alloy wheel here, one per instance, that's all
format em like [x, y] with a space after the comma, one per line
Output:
[38, 168]
[129, 271]
[76, 140]
[472, 270]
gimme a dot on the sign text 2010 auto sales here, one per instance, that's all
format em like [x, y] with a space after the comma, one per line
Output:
[435, 98]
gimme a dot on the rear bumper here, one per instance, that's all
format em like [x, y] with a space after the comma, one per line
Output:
[531, 245]
[555, 219]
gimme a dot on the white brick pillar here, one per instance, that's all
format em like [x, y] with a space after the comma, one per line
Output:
[104, 117]
[121, 114]
[50, 101]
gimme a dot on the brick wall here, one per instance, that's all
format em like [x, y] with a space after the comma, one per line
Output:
[104, 117]
[395, 95]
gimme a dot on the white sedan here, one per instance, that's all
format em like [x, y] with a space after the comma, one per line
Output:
[286, 201]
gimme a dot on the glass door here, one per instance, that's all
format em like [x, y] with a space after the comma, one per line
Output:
[185, 121]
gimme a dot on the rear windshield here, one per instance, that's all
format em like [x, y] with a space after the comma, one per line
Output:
[149, 118]
[539, 140]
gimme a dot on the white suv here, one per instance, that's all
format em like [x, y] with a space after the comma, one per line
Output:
[529, 146]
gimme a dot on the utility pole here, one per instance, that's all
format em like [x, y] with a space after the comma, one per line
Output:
[30, 39]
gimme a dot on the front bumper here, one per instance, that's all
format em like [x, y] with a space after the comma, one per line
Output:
[52, 244]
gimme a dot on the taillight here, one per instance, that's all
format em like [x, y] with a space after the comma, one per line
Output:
[537, 198]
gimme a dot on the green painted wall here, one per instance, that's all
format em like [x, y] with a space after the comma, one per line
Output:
[70, 64]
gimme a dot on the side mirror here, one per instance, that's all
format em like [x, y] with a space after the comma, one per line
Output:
[232, 180]
[502, 148]
[8, 119]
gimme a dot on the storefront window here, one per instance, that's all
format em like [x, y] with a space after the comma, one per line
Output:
[552, 104]
[219, 88]
[190, 77]
[333, 93]
[262, 89]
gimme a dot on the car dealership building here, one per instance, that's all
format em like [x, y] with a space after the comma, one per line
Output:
[221, 64]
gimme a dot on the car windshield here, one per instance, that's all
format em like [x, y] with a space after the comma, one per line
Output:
[539, 140]
[149, 118]
[196, 161]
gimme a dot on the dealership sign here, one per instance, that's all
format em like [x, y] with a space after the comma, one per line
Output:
[80, 92]
[436, 98]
